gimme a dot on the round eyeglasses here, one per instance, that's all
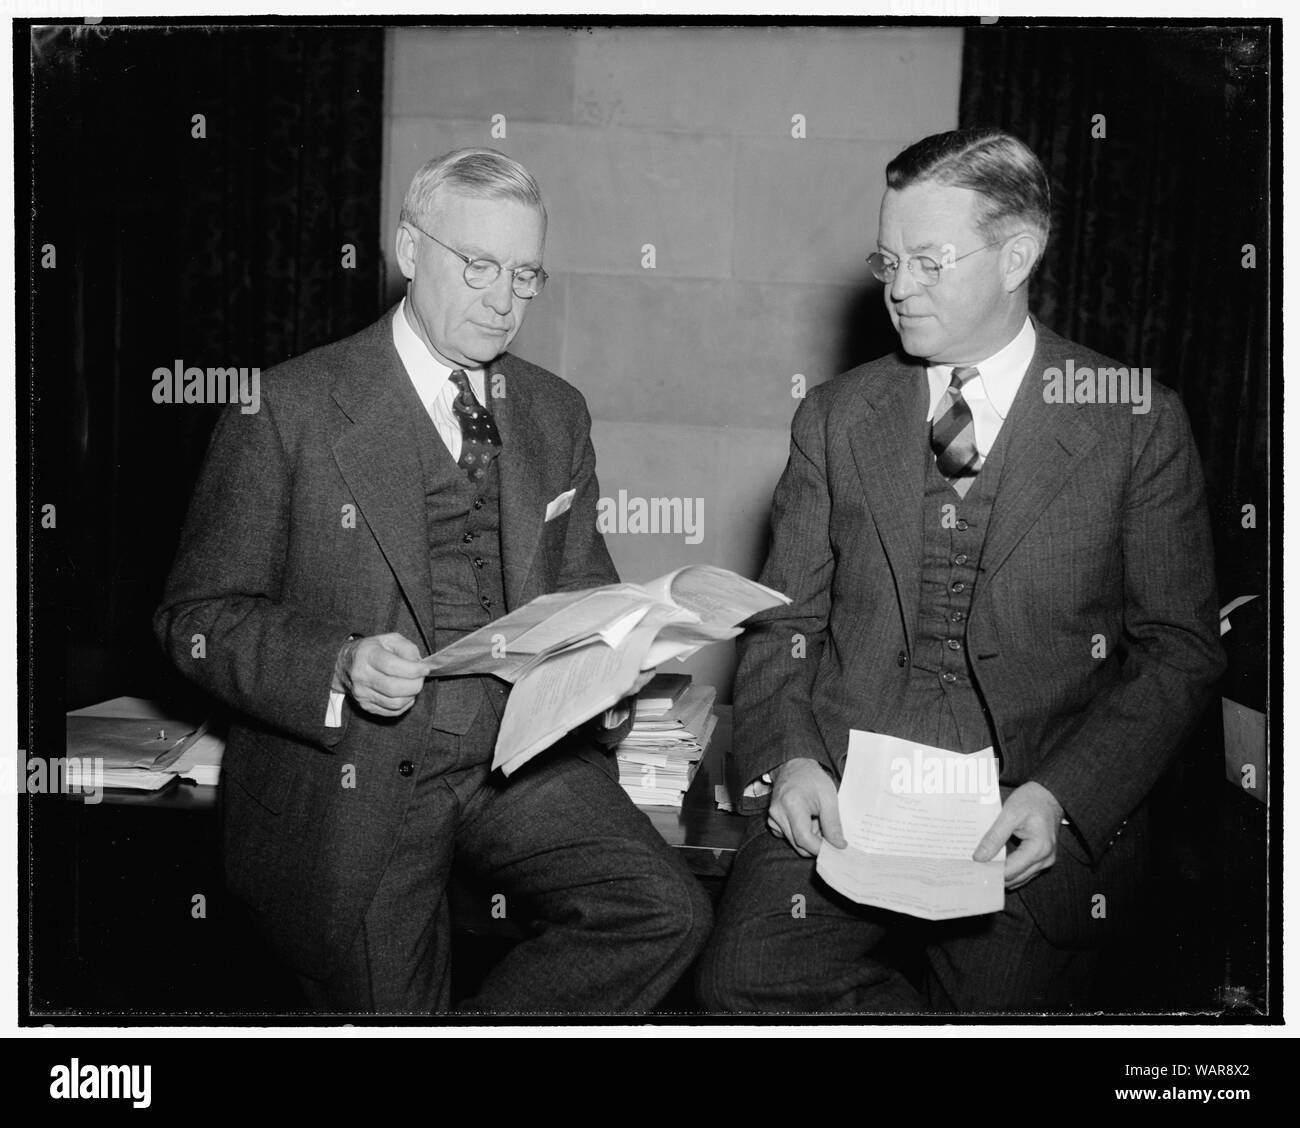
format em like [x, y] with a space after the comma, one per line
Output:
[922, 267]
[480, 273]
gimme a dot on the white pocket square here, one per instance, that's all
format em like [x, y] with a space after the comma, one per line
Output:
[560, 505]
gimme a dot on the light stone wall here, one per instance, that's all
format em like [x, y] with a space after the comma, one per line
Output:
[682, 138]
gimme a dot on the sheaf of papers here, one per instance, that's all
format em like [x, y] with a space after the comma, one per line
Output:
[912, 816]
[129, 742]
[572, 655]
[134, 743]
[579, 683]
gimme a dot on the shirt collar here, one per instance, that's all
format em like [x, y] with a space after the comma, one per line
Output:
[999, 377]
[427, 372]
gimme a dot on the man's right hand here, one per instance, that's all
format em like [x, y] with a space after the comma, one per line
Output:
[805, 807]
[381, 673]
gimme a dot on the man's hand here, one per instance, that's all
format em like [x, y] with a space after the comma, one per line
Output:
[1031, 814]
[805, 808]
[380, 673]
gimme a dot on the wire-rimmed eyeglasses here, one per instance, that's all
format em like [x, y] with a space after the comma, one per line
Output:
[480, 273]
[922, 267]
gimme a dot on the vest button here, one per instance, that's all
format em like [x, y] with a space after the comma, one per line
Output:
[483, 599]
[405, 768]
[902, 658]
[949, 677]
[478, 503]
[958, 587]
[962, 525]
[957, 616]
[478, 562]
[954, 644]
[468, 538]
[960, 558]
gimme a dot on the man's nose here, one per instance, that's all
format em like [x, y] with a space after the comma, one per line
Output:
[904, 284]
[500, 296]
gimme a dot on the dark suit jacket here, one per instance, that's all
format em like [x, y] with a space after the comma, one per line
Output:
[1099, 528]
[274, 577]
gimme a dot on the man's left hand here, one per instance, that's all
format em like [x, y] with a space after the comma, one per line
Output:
[1031, 814]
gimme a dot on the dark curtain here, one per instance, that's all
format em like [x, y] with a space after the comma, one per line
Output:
[1145, 264]
[219, 250]
[1149, 222]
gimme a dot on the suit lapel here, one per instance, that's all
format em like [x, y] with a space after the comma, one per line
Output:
[1044, 446]
[379, 458]
[523, 500]
[885, 449]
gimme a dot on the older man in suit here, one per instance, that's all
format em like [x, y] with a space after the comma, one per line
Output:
[978, 554]
[397, 490]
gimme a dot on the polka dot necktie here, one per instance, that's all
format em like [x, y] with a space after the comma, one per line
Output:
[952, 435]
[480, 441]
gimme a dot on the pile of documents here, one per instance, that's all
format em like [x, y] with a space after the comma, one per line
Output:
[674, 721]
[133, 743]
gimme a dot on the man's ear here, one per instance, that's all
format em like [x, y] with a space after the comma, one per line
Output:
[1018, 257]
[406, 250]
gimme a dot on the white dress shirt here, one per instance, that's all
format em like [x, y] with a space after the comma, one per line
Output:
[990, 394]
[432, 381]
[431, 378]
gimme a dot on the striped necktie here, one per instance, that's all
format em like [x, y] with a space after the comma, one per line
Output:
[480, 441]
[952, 435]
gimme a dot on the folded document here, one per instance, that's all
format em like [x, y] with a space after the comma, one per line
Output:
[912, 816]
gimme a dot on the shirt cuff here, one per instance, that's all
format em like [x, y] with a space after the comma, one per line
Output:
[334, 713]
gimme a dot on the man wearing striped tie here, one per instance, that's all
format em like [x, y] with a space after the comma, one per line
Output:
[973, 562]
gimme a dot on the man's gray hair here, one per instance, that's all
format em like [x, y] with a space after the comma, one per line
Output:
[1010, 179]
[483, 174]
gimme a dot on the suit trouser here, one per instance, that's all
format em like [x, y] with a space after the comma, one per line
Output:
[787, 942]
[764, 957]
[612, 915]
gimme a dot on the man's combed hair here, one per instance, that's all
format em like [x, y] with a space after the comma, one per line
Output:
[480, 173]
[1010, 179]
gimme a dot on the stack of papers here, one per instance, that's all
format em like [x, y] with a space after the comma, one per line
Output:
[133, 743]
[658, 759]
